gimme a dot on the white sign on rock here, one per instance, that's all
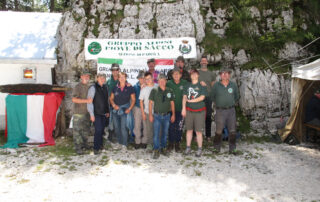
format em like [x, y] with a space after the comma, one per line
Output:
[140, 48]
[133, 66]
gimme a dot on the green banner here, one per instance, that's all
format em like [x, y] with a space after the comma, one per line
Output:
[110, 61]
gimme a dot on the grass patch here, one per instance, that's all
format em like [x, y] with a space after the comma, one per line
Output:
[258, 139]
[23, 181]
[63, 148]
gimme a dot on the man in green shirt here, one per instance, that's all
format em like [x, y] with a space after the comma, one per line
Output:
[81, 117]
[207, 79]
[225, 94]
[175, 128]
[194, 109]
[162, 100]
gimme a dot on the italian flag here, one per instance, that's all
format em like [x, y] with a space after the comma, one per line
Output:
[31, 118]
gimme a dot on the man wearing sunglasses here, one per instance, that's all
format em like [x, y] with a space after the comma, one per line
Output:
[162, 100]
[225, 94]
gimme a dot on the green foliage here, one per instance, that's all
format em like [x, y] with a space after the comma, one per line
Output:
[137, 30]
[116, 18]
[2, 138]
[153, 25]
[244, 122]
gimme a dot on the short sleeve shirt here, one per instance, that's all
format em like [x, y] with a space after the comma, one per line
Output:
[225, 96]
[193, 91]
[178, 92]
[161, 99]
[122, 96]
[80, 91]
[144, 96]
[207, 77]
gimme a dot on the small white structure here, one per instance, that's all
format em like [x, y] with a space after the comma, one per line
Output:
[27, 49]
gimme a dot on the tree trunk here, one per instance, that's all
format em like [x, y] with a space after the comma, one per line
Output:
[52, 8]
[3, 5]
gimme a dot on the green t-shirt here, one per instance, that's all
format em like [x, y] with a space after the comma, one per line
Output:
[225, 96]
[111, 83]
[193, 91]
[178, 92]
[207, 77]
[161, 99]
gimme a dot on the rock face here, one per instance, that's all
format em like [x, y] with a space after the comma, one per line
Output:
[264, 95]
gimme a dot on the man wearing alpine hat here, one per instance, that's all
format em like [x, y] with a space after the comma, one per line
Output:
[225, 94]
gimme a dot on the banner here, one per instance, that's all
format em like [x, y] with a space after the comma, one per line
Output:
[140, 48]
[132, 66]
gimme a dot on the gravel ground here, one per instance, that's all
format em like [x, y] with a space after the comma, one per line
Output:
[263, 172]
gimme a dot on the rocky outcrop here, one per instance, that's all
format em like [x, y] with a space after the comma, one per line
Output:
[265, 97]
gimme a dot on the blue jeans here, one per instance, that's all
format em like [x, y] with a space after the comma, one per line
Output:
[163, 123]
[120, 127]
[99, 125]
[175, 129]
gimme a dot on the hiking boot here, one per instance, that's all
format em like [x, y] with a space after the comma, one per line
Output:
[164, 152]
[156, 154]
[86, 147]
[187, 151]
[170, 147]
[199, 152]
[96, 152]
[235, 152]
[177, 147]
[79, 151]
[215, 151]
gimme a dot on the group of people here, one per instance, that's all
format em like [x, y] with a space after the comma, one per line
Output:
[155, 110]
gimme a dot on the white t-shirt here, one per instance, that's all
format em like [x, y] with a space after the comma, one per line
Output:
[144, 95]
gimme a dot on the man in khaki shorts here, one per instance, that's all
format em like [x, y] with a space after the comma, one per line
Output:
[194, 110]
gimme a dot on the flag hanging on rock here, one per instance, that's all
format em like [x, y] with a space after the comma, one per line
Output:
[31, 118]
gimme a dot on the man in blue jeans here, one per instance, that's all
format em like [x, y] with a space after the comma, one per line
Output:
[162, 100]
[98, 110]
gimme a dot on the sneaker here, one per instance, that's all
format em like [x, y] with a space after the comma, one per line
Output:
[164, 152]
[137, 146]
[199, 152]
[156, 154]
[143, 146]
[187, 151]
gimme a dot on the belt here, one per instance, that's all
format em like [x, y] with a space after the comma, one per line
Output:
[162, 114]
[225, 107]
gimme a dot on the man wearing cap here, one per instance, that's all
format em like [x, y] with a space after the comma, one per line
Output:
[184, 73]
[225, 94]
[151, 65]
[111, 83]
[144, 106]
[312, 115]
[137, 111]
[207, 78]
[175, 128]
[81, 118]
[162, 100]
[194, 109]
[98, 109]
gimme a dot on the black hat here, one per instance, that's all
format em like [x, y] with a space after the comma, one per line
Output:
[140, 74]
[151, 60]
[85, 72]
[115, 66]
